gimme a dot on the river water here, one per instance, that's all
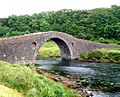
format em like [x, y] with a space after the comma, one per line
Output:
[104, 77]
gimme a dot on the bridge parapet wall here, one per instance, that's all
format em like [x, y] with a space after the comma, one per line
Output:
[24, 49]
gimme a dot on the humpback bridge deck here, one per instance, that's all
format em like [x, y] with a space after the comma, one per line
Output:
[23, 49]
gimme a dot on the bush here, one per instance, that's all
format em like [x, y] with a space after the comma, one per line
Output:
[104, 54]
[102, 40]
[114, 56]
[96, 54]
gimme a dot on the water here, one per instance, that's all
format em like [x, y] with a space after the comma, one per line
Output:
[102, 76]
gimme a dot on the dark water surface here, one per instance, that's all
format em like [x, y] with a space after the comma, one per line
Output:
[102, 76]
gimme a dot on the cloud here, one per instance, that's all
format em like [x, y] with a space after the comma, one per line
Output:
[21, 7]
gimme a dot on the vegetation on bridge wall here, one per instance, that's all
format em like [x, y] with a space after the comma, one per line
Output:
[99, 24]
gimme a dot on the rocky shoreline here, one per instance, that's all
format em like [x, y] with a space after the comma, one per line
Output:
[70, 81]
[90, 59]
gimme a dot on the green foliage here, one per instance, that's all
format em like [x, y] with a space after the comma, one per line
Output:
[49, 49]
[102, 40]
[4, 31]
[110, 41]
[86, 24]
[29, 83]
[110, 55]
[95, 54]
[115, 56]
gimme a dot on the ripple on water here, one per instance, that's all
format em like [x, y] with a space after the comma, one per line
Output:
[80, 70]
[107, 74]
[117, 94]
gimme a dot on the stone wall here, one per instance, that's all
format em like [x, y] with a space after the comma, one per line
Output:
[24, 49]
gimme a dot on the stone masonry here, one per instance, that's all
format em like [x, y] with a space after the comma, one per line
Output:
[24, 49]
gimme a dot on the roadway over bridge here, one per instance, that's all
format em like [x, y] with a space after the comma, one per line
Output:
[24, 49]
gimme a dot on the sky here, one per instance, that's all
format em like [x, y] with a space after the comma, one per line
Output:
[22, 7]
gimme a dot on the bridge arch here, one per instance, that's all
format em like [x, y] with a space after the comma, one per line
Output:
[63, 45]
[24, 49]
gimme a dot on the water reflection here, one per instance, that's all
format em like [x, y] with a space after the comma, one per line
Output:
[98, 75]
[65, 66]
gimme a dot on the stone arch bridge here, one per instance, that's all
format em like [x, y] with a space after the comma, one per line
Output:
[23, 49]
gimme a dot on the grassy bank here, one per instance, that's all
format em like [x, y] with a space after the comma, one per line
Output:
[102, 55]
[30, 84]
[8, 92]
[50, 49]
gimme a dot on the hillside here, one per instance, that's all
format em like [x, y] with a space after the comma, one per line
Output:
[100, 24]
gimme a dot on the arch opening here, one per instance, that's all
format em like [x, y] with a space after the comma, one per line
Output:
[55, 47]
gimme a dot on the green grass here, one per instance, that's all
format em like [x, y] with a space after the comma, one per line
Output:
[30, 84]
[108, 41]
[49, 49]
[8, 92]
[104, 55]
